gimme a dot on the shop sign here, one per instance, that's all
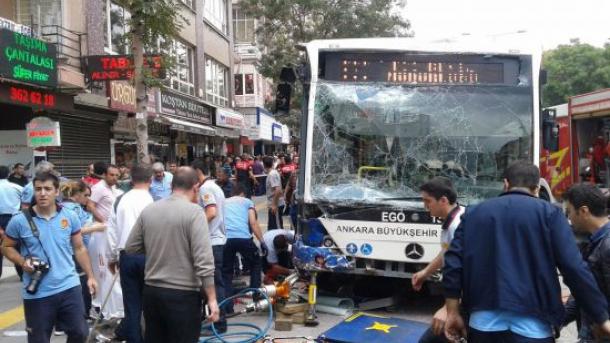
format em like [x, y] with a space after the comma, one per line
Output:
[119, 67]
[35, 97]
[27, 59]
[184, 107]
[122, 96]
[265, 125]
[12, 26]
[43, 132]
[229, 119]
[276, 132]
[285, 134]
[14, 148]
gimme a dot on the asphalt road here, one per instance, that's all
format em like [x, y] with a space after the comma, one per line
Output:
[416, 307]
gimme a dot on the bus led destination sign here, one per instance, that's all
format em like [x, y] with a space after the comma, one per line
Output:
[416, 69]
[27, 59]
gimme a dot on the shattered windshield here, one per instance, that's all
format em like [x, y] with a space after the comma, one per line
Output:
[375, 142]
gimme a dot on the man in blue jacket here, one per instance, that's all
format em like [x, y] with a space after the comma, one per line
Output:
[502, 264]
[586, 209]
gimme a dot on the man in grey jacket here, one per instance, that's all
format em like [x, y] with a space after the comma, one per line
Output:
[173, 234]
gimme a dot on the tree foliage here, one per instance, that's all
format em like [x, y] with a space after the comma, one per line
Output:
[285, 23]
[151, 22]
[574, 69]
[154, 23]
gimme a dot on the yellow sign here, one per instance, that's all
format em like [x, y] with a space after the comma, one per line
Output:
[381, 327]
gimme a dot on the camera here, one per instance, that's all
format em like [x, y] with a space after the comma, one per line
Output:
[40, 270]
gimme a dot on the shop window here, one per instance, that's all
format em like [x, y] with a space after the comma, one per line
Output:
[216, 76]
[215, 12]
[243, 27]
[116, 29]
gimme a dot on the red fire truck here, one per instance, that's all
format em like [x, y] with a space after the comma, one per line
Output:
[580, 150]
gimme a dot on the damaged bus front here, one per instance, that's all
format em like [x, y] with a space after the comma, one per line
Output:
[385, 115]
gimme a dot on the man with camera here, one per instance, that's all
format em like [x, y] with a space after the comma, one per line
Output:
[49, 235]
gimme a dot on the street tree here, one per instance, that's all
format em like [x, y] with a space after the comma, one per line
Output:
[152, 24]
[574, 69]
[284, 24]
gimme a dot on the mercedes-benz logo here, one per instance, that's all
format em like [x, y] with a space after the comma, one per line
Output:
[414, 251]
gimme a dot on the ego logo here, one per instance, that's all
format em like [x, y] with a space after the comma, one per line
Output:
[393, 217]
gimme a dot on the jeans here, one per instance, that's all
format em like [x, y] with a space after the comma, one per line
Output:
[476, 336]
[275, 221]
[218, 251]
[131, 269]
[64, 311]
[171, 315]
[249, 251]
[293, 212]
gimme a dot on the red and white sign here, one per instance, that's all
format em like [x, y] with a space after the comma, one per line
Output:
[229, 119]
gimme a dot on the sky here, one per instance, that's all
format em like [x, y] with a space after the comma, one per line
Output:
[553, 21]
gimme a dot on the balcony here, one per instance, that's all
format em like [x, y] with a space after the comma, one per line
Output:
[69, 55]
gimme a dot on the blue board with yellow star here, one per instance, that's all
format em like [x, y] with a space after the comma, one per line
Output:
[362, 327]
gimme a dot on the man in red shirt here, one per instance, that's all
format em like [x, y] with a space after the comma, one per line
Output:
[95, 172]
[244, 174]
[286, 170]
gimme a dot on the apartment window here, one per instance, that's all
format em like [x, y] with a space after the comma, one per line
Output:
[215, 12]
[27, 13]
[116, 28]
[239, 84]
[243, 27]
[244, 84]
[188, 3]
[182, 74]
[216, 85]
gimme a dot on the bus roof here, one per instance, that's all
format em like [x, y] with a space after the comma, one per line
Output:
[504, 45]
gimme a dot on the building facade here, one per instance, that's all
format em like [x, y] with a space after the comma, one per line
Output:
[254, 92]
[97, 116]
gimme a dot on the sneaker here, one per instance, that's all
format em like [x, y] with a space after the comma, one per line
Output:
[59, 333]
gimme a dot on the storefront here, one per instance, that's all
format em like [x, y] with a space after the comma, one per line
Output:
[122, 97]
[189, 120]
[229, 125]
[29, 89]
[267, 134]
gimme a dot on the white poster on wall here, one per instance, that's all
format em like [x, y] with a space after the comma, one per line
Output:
[14, 149]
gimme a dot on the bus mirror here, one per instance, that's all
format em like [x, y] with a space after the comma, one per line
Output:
[282, 98]
[550, 130]
[543, 77]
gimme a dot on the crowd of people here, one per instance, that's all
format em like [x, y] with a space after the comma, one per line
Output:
[122, 242]
[168, 242]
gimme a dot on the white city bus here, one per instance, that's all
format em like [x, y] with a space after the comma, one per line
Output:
[381, 116]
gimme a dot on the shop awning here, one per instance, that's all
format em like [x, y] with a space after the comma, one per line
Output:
[229, 133]
[187, 126]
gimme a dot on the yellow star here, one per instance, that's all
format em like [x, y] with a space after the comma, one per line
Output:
[381, 327]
